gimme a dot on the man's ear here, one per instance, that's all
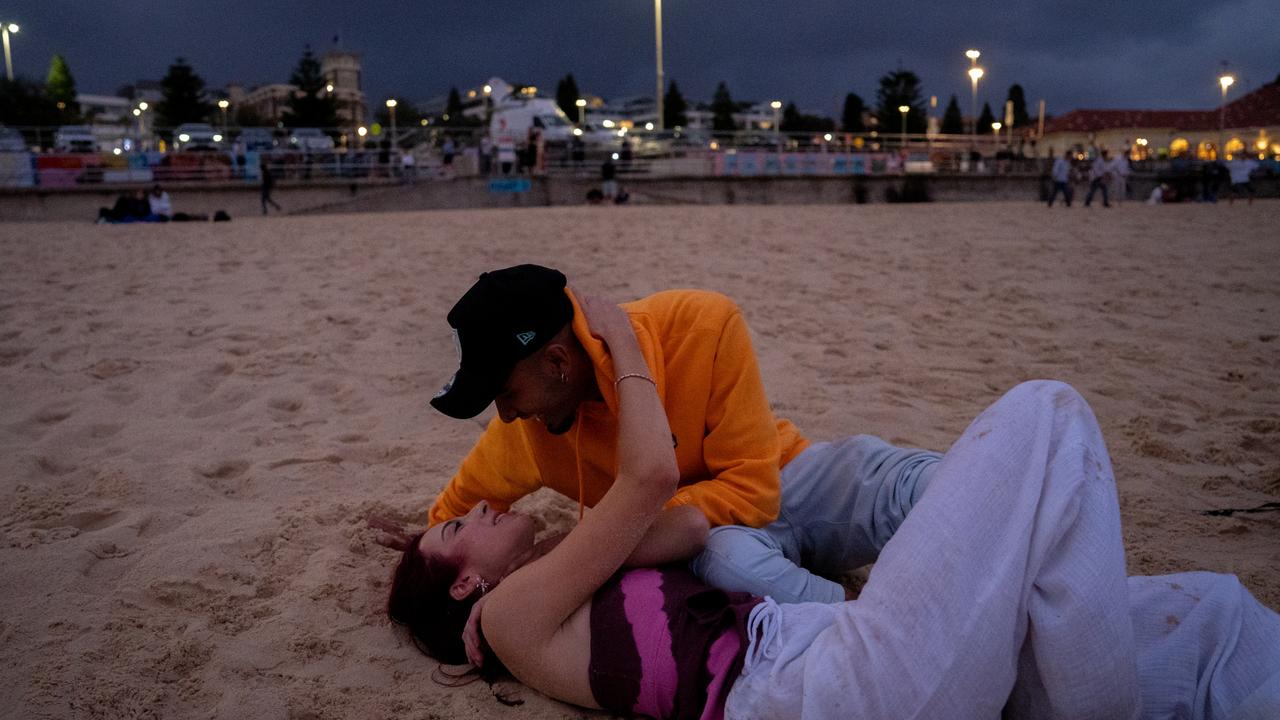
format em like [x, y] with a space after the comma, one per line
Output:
[556, 359]
[462, 587]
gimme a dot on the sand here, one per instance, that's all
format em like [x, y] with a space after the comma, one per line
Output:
[197, 419]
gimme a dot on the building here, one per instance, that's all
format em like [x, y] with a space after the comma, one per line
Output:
[1249, 125]
[267, 102]
[341, 70]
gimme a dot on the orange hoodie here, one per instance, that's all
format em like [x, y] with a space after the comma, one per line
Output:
[728, 446]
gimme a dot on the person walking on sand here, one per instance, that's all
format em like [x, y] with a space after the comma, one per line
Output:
[1061, 176]
[268, 184]
[1240, 169]
[1119, 169]
[1099, 178]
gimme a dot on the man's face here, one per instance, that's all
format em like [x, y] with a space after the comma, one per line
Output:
[535, 391]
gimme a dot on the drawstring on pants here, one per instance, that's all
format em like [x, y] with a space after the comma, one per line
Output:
[764, 625]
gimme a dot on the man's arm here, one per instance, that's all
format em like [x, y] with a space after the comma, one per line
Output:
[498, 469]
[678, 533]
[740, 448]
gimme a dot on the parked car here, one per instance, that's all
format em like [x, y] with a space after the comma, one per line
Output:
[12, 141]
[75, 139]
[256, 139]
[196, 136]
[309, 140]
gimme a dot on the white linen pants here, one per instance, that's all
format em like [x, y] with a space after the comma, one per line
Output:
[1005, 586]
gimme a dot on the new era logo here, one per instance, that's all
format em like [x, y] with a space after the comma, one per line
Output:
[526, 337]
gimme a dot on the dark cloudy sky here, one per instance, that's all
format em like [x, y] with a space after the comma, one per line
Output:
[1073, 54]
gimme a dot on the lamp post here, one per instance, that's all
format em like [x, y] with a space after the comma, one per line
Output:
[5, 29]
[777, 122]
[391, 108]
[662, 84]
[223, 105]
[975, 74]
[1225, 81]
[995, 133]
[582, 111]
[904, 109]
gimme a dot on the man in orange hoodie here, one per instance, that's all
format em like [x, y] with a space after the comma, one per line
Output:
[774, 501]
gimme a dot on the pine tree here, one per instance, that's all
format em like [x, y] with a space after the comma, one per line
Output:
[722, 110]
[1020, 117]
[60, 87]
[674, 108]
[182, 98]
[311, 104]
[985, 119]
[900, 87]
[851, 118]
[453, 108]
[952, 119]
[567, 96]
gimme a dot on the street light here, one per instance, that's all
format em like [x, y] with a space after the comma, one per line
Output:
[777, 123]
[5, 29]
[973, 56]
[582, 111]
[662, 84]
[223, 105]
[904, 109]
[975, 74]
[1225, 81]
[391, 108]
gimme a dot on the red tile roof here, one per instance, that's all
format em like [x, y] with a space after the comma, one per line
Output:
[1257, 109]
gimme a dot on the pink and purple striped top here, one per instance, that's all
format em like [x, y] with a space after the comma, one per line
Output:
[665, 645]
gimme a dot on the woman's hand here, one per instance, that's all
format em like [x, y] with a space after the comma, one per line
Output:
[471, 638]
[607, 321]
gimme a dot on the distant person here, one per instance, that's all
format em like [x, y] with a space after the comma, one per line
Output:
[608, 178]
[486, 155]
[624, 156]
[408, 164]
[447, 151]
[1099, 178]
[1210, 180]
[159, 202]
[1240, 169]
[1061, 175]
[1119, 169]
[130, 207]
[506, 151]
[268, 184]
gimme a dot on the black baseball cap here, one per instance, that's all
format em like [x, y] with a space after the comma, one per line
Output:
[504, 318]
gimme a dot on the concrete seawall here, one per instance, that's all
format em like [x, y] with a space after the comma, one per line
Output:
[382, 195]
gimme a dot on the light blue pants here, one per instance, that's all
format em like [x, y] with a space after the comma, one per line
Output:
[841, 502]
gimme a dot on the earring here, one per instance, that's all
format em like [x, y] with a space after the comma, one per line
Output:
[484, 586]
[563, 379]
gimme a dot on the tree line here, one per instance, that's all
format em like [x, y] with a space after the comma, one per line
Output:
[896, 89]
[28, 103]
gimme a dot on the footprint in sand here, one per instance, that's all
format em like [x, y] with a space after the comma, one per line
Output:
[113, 367]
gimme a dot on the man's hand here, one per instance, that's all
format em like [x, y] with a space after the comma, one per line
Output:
[471, 638]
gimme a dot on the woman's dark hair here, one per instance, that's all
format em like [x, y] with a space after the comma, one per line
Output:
[420, 600]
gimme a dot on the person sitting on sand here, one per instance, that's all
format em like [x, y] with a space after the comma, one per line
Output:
[1003, 591]
[159, 202]
[783, 510]
[130, 207]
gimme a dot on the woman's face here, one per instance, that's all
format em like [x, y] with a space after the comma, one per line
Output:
[490, 544]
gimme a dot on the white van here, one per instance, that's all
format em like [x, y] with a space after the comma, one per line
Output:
[514, 116]
[75, 139]
[196, 136]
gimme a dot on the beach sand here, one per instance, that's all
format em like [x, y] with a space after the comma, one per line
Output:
[197, 419]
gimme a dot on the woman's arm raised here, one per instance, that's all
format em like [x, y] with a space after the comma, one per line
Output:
[528, 607]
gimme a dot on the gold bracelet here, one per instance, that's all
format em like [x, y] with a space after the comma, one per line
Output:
[642, 376]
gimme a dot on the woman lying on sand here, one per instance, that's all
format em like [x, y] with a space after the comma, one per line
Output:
[1004, 588]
